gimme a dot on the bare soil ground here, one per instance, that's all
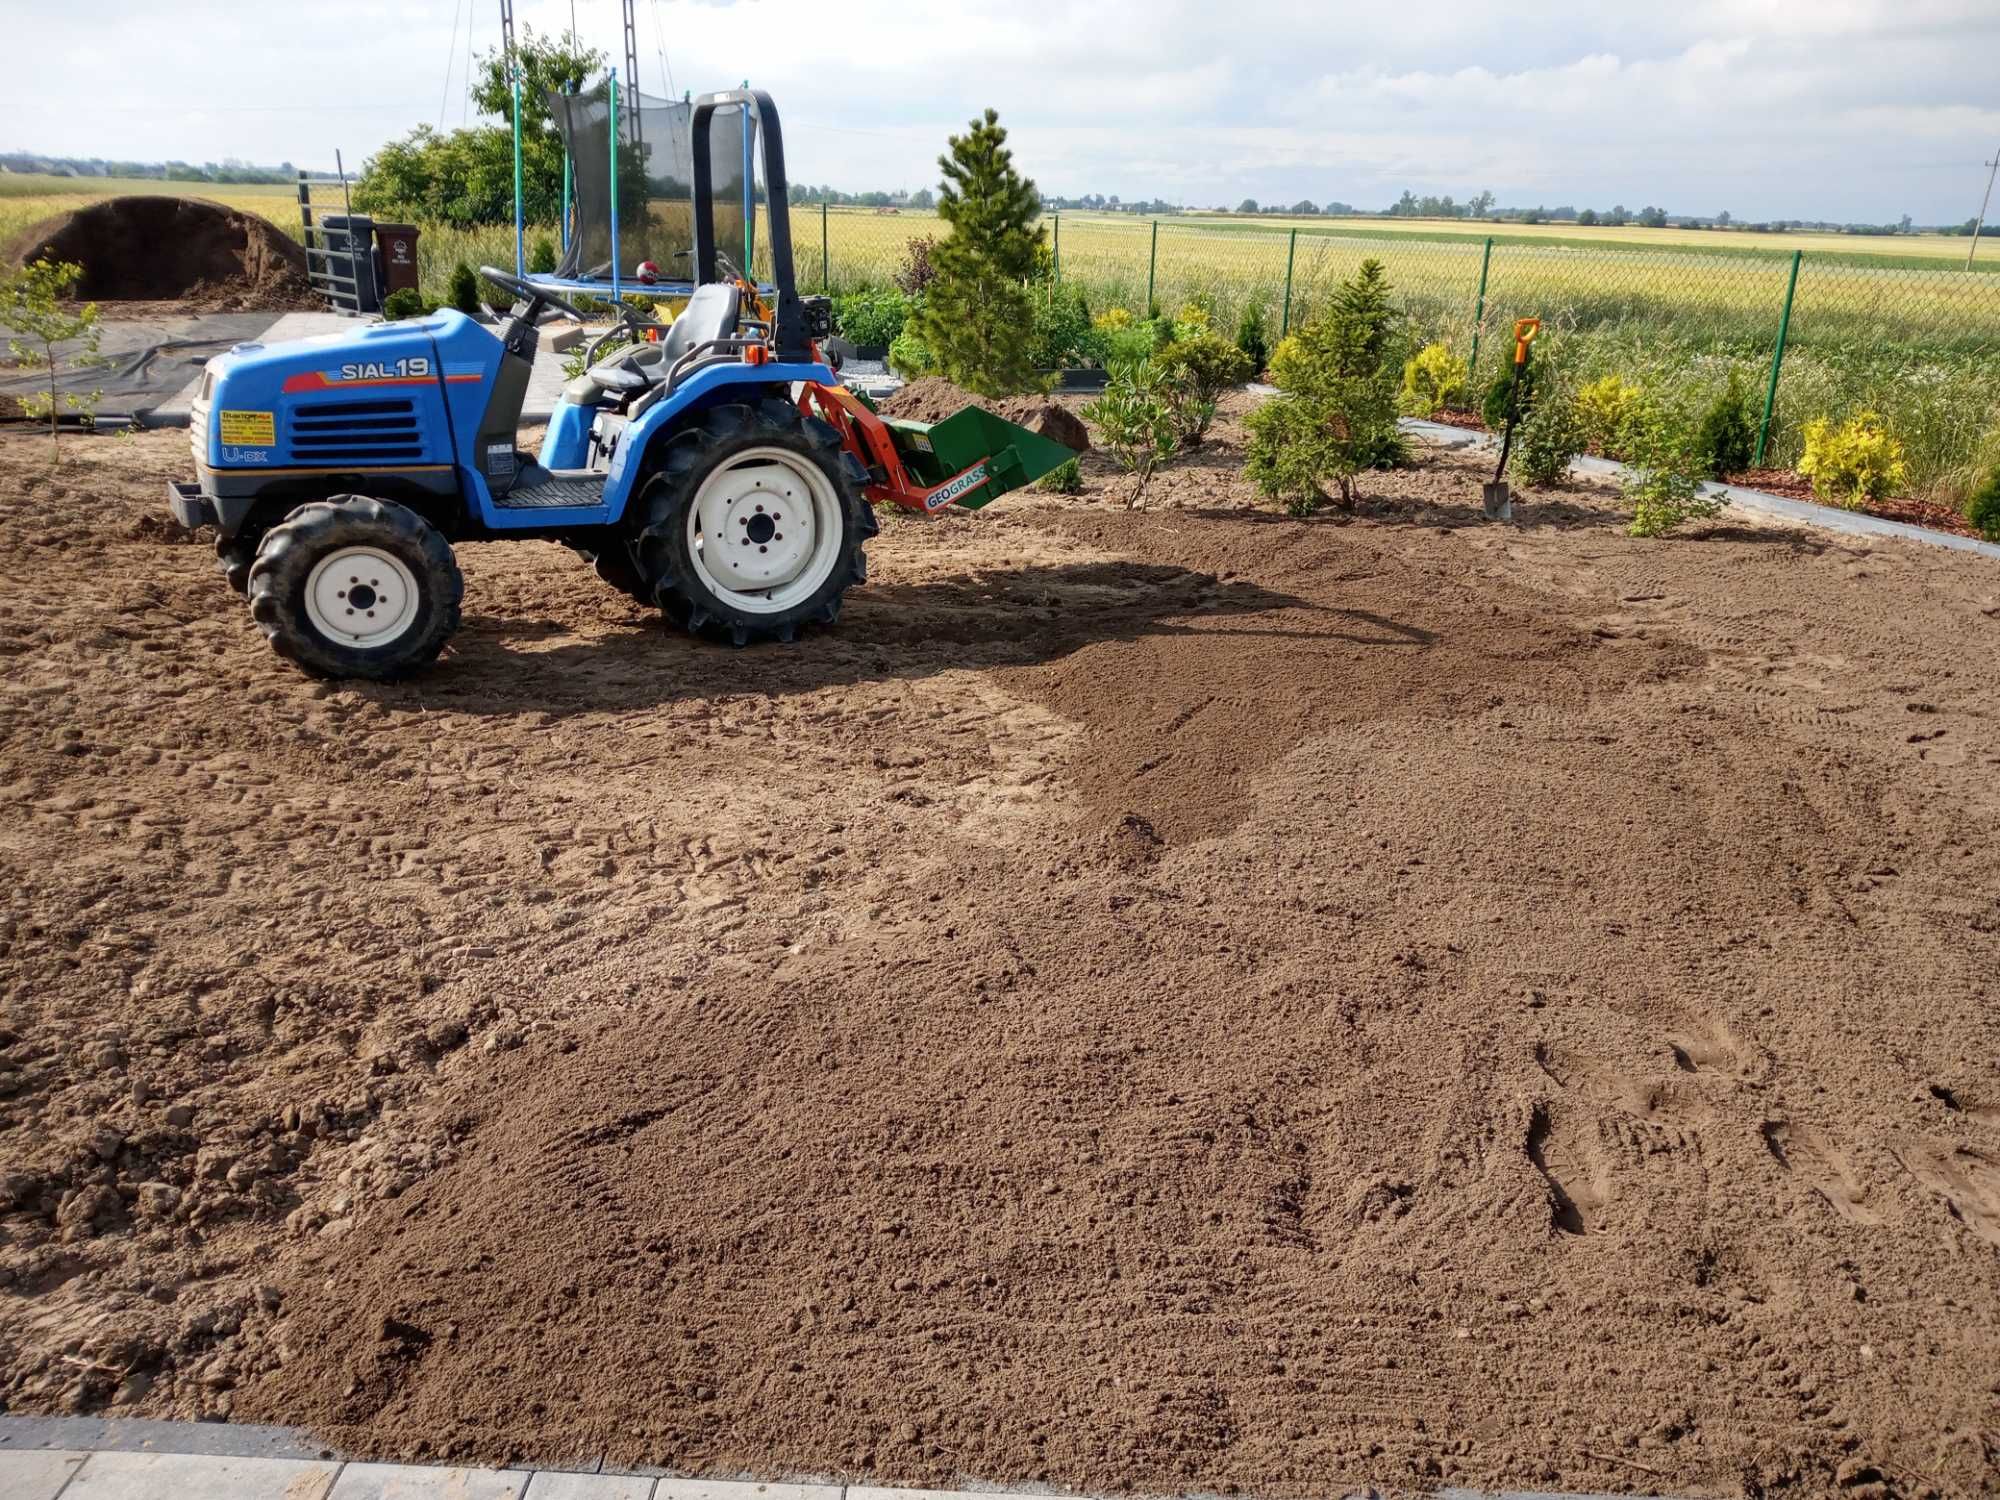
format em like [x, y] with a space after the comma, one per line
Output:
[1187, 1000]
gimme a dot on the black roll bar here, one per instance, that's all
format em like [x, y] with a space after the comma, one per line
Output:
[788, 336]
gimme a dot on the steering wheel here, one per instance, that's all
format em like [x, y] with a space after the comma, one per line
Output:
[529, 292]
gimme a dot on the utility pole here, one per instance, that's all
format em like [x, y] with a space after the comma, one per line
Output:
[1992, 167]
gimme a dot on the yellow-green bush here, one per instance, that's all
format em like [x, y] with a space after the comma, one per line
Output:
[1608, 410]
[1433, 379]
[1111, 320]
[1856, 461]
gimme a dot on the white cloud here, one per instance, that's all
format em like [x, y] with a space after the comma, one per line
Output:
[1840, 108]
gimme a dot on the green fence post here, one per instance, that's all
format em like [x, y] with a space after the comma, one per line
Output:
[825, 259]
[1291, 253]
[1152, 265]
[1777, 361]
[1057, 218]
[1479, 310]
[520, 254]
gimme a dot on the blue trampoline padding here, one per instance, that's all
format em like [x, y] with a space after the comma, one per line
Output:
[641, 288]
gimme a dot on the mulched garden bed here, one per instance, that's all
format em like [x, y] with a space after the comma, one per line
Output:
[1908, 509]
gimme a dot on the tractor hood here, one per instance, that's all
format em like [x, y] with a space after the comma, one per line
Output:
[373, 397]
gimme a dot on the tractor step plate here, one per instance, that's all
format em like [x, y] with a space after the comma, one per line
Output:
[554, 494]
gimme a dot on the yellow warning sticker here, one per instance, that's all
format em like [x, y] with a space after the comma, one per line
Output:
[249, 429]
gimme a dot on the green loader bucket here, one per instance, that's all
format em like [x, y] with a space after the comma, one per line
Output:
[935, 451]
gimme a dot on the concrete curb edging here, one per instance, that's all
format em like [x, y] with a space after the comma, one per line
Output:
[92, 1458]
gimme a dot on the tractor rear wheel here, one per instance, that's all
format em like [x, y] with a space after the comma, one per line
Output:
[356, 587]
[753, 523]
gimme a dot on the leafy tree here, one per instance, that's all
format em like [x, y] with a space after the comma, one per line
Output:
[1722, 219]
[1482, 204]
[976, 314]
[466, 177]
[1335, 413]
[1664, 482]
[1619, 216]
[1247, 206]
[919, 267]
[1587, 217]
[922, 198]
[1201, 367]
[1652, 218]
[1305, 206]
[31, 304]
[1135, 420]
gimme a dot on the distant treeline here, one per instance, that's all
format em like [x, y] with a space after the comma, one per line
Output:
[230, 170]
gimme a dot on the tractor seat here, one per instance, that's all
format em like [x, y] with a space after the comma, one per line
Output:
[710, 314]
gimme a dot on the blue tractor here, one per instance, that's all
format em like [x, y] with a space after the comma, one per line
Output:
[693, 471]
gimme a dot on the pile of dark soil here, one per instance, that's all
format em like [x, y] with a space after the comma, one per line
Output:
[932, 400]
[187, 250]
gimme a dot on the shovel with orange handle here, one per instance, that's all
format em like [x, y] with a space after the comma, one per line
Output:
[1497, 497]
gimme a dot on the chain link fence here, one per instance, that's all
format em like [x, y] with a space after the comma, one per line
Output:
[1920, 345]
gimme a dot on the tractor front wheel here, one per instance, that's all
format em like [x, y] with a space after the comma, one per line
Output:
[753, 523]
[355, 587]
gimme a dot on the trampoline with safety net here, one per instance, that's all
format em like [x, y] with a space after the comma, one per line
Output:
[628, 203]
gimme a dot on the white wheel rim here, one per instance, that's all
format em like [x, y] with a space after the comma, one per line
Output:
[764, 531]
[362, 597]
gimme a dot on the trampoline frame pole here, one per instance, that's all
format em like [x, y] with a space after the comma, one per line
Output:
[565, 202]
[749, 195]
[613, 133]
[520, 255]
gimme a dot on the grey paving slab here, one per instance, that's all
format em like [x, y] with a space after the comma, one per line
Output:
[37, 1474]
[746, 1489]
[143, 1435]
[176, 1476]
[547, 1486]
[418, 1482]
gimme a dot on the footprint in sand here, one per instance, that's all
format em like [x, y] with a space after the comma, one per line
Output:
[1572, 1163]
[1821, 1166]
[1969, 1183]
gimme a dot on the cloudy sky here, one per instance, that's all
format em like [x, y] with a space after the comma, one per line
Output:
[1839, 109]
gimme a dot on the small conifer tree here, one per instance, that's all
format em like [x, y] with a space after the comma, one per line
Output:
[1335, 413]
[976, 318]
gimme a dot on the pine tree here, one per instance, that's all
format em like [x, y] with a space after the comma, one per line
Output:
[976, 316]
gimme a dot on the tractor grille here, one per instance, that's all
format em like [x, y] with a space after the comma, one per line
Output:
[357, 432]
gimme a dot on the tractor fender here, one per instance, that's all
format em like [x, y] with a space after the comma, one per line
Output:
[703, 389]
